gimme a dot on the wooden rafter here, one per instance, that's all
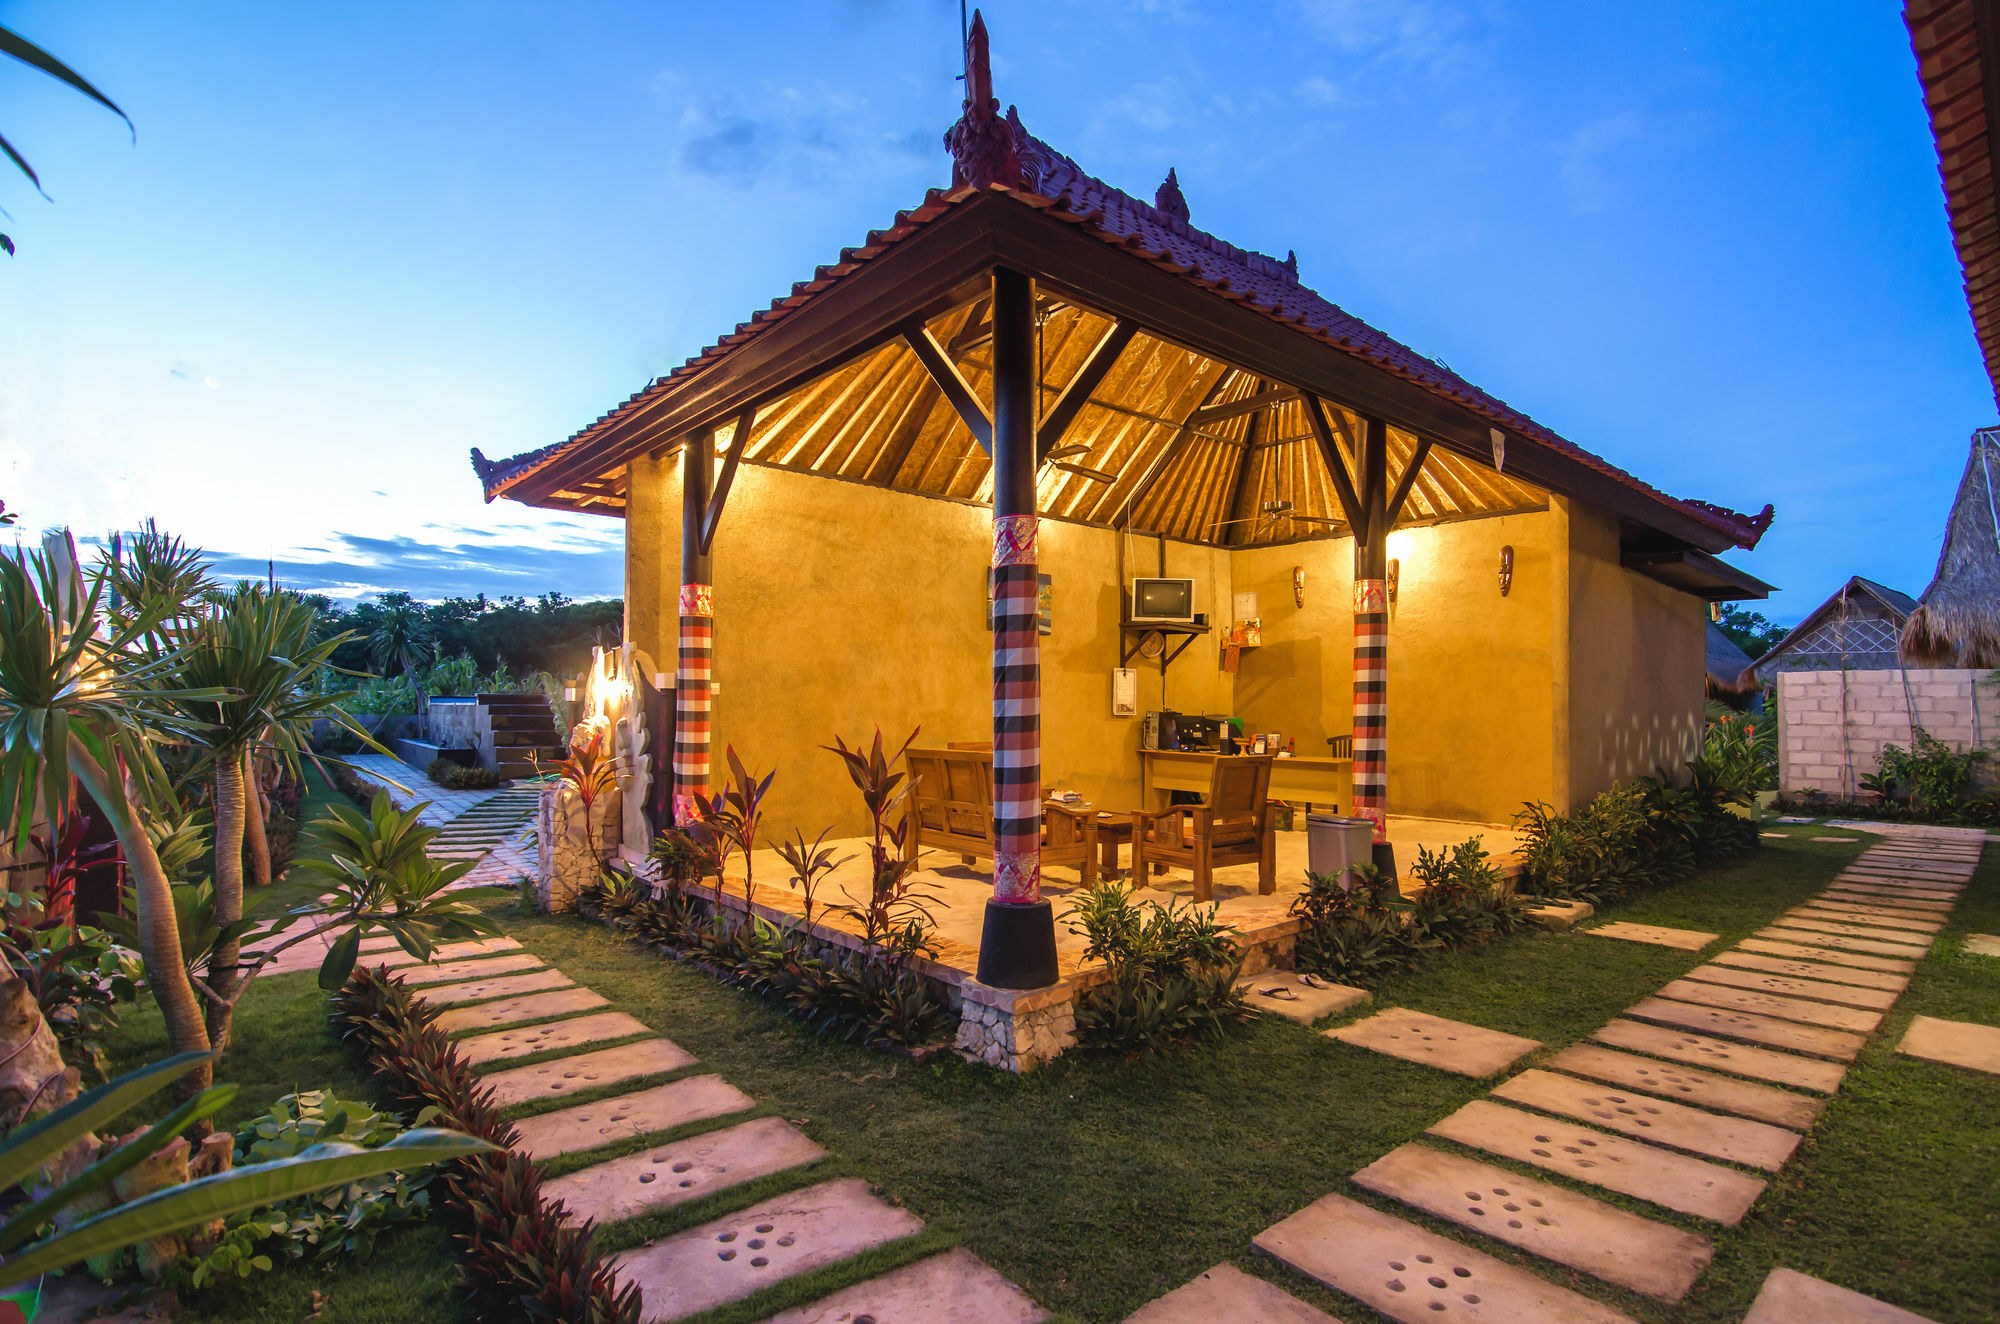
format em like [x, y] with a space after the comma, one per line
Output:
[1249, 404]
[1410, 470]
[1336, 467]
[957, 391]
[1163, 458]
[712, 520]
[1063, 412]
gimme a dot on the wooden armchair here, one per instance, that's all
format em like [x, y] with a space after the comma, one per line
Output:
[1234, 827]
[951, 808]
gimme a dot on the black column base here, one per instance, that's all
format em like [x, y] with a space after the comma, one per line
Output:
[1017, 945]
[1385, 858]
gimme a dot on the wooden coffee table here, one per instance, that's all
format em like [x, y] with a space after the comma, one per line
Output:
[1113, 831]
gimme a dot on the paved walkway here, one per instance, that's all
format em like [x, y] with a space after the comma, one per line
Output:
[1688, 1101]
[444, 805]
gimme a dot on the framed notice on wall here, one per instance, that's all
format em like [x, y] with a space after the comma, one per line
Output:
[1045, 599]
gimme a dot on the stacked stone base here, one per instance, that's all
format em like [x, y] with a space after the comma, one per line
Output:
[1016, 1031]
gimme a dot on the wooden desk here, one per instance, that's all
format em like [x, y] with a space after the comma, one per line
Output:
[1325, 782]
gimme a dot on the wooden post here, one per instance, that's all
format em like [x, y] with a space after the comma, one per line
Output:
[1371, 629]
[1017, 947]
[697, 638]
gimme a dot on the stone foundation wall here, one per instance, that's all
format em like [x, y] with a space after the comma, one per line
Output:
[1833, 724]
[1016, 1031]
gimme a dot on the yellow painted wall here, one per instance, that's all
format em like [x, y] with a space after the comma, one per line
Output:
[840, 606]
[1637, 658]
[1470, 699]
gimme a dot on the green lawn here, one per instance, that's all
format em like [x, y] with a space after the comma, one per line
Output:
[1098, 1184]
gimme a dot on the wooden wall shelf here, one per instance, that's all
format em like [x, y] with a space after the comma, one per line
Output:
[1133, 632]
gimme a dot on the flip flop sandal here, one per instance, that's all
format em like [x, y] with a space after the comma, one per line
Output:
[1279, 992]
[1312, 981]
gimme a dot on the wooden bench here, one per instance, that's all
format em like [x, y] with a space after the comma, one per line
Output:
[951, 809]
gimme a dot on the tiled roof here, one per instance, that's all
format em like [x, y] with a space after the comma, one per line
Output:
[1055, 185]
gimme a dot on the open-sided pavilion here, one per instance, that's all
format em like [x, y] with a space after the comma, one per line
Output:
[1037, 372]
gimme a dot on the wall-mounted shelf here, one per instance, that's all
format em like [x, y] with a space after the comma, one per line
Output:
[1134, 632]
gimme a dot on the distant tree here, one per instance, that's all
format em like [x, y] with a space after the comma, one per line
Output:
[14, 44]
[401, 637]
[1754, 632]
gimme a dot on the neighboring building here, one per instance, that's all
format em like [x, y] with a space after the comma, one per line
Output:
[1728, 666]
[1856, 630]
[812, 504]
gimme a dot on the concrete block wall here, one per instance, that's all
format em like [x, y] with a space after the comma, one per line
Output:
[1833, 724]
[452, 723]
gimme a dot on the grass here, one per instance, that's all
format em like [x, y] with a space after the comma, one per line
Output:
[1098, 1184]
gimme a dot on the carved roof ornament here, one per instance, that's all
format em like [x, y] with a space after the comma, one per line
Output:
[1170, 199]
[982, 144]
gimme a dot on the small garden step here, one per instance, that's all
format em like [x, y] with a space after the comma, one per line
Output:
[1223, 1293]
[1690, 1085]
[1803, 1010]
[667, 1175]
[1790, 1297]
[1841, 1045]
[485, 967]
[503, 986]
[644, 1112]
[503, 1045]
[1817, 990]
[743, 1253]
[1896, 938]
[956, 1287]
[1433, 1041]
[512, 1011]
[1578, 1231]
[1687, 940]
[1800, 951]
[1631, 1167]
[1662, 1121]
[1839, 974]
[1722, 1055]
[1414, 1275]
[584, 1071]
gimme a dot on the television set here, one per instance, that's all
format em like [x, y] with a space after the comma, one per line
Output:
[1163, 602]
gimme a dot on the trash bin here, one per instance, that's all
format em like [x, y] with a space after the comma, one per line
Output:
[1334, 845]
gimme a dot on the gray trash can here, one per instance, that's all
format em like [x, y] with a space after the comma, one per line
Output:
[1335, 844]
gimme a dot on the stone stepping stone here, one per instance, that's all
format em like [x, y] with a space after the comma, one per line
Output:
[1433, 1041]
[956, 1287]
[1799, 951]
[567, 1075]
[503, 1045]
[381, 942]
[1842, 942]
[1960, 1043]
[1660, 1176]
[1888, 902]
[1795, 820]
[1739, 1059]
[1909, 882]
[1860, 912]
[395, 958]
[1687, 940]
[1223, 1293]
[1555, 916]
[1662, 1121]
[1836, 838]
[643, 1112]
[1781, 836]
[1413, 1275]
[1770, 1004]
[1868, 932]
[1790, 1297]
[1982, 944]
[1306, 1003]
[1690, 1085]
[1846, 995]
[734, 1256]
[1768, 1031]
[1842, 974]
[1885, 893]
[535, 1007]
[507, 986]
[1576, 1230]
[456, 972]
[669, 1175]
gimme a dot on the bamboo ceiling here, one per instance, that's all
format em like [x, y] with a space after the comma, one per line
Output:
[1193, 449]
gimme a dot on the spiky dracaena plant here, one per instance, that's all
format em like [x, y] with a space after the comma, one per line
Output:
[256, 648]
[82, 695]
[590, 774]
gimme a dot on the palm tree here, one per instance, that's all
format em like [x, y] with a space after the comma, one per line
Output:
[255, 647]
[81, 694]
[400, 635]
[14, 44]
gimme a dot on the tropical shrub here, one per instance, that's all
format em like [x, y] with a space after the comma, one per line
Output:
[456, 776]
[1172, 971]
[78, 976]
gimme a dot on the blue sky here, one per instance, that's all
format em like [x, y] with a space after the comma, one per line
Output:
[349, 243]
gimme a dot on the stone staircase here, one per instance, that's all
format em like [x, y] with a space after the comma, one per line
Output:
[511, 728]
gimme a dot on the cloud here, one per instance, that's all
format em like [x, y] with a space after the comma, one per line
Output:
[739, 137]
[578, 562]
[1318, 91]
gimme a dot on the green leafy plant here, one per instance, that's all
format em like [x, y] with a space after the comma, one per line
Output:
[456, 776]
[14, 44]
[731, 818]
[39, 1144]
[809, 864]
[588, 773]
[78, 976]
[1172, 971]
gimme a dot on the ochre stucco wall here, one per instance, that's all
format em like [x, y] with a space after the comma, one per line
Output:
[840, 606]
[1470, 699]
[870, 608]
[1636, 665]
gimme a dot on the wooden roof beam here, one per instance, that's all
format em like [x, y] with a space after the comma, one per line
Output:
[1249, 404]
[1336, 466]
[971, 409]
[1410, 470]
[1166, 456]
[1103, 357]
[713, 518]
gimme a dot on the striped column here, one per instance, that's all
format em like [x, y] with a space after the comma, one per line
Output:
[1017, 713]
[691, 699]
[1371, 704]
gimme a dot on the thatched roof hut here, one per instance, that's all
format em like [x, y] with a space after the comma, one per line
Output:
[1957, 621]
[1729, 675]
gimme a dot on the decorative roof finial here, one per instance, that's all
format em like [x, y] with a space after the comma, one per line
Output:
[983, 152]
[1292, 263]
[1169, 199]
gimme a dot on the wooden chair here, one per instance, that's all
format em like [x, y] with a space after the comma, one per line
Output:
[951, 808]
[1234, 827]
